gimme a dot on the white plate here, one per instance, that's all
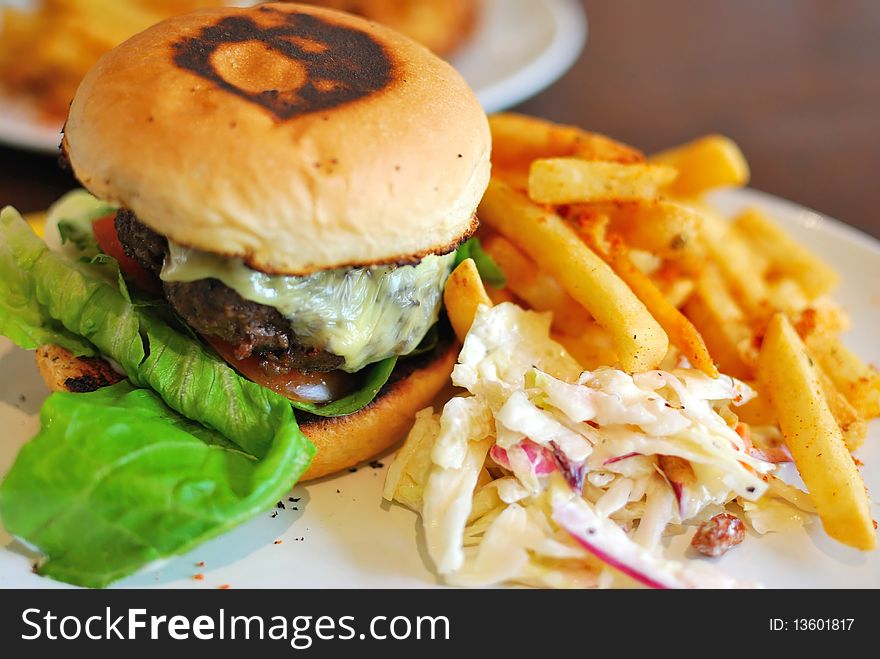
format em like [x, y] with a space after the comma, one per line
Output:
[520, 48]
[343, 535]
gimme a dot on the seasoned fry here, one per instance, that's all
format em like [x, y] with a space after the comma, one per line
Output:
[639, 340]
[722, 324]
[591, 346]
[743, 270]
[704, 164]
[786, 295]
[823, 318]
[784, 255]
[499, 295]
[517, 140]
[535, 287]
[572, 181]
[853, 427]
[813, 436]
[682, 333]
[675, 286]
[665, 228]
[464, 293]
[859, 382]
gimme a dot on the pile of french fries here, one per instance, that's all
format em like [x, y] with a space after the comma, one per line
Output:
[46, 49]
[640, 272]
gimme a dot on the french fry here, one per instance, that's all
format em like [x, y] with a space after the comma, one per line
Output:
[515, 178]
[813, 436]
[499, 295]
[665, 228]
[517, 140]
[535, 287]
[758, 411]
[859, 382]
[37, 222]
[682, 333]
[639, 340]
[592, 346]
[853, 427]
[572, 181]
[823, 318]
[784, 255]
[677, 291]
[704, 164]
[675, 286]
[722, 324]
[786, 295]
[743, 270]
[464, 293]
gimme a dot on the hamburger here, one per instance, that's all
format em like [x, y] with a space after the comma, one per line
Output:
[294, 182]
[248, 292]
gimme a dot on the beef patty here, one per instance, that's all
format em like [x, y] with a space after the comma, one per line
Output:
[212, 308]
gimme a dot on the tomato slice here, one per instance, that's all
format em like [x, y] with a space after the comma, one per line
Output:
[295, 385]
[108, 240]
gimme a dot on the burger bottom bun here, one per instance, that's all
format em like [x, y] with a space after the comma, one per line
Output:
[342, 442]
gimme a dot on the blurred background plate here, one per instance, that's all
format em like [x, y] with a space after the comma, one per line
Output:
[21, 126]
[520, 48]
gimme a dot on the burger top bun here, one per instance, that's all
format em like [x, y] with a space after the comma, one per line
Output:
[299, 139]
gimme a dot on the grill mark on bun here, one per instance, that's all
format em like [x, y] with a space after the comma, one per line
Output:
[341, 64]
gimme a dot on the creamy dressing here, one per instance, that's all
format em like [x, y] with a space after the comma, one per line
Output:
[363, 315]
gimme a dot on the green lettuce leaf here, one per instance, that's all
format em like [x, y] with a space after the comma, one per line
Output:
[375, 377]
[488, 269]
[45, 296]
[22, 317]
[115, 481]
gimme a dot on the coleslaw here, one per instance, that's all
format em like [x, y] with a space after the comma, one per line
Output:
[547, 475]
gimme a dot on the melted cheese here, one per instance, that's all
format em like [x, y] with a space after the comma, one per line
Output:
[363, 315]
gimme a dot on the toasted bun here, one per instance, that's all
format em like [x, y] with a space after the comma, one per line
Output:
[341, 441]
[62, 371]
[295, 137]
[344, 441]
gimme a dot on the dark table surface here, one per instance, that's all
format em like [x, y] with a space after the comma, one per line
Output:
[795, 82]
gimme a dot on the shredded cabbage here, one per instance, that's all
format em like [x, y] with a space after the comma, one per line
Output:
[544, 474]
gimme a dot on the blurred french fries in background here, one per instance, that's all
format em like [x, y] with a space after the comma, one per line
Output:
[783, 255]
[723, 324]
[859, 382]
[45, 51]
[710, 162]
[638, 269]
